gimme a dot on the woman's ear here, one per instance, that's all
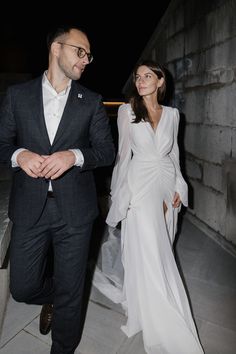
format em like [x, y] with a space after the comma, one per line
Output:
[160, 82]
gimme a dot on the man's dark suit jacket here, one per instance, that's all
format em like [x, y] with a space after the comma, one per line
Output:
[84, 125]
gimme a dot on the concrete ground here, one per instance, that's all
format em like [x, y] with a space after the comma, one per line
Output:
[209, 273]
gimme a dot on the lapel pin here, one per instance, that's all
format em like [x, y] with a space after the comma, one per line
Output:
[80, 95]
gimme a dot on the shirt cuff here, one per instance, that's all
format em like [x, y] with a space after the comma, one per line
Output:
[79, 158]
[14, 157]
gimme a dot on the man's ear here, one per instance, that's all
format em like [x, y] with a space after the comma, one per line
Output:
[55, 48]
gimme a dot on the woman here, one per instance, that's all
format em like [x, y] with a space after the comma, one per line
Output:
[147, 191]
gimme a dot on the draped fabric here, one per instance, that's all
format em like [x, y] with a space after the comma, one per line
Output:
[138, 267]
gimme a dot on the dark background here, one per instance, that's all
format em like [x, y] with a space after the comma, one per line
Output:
[117, 37]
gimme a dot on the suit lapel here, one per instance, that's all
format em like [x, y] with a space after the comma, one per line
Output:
[74, 104]
[38, 113]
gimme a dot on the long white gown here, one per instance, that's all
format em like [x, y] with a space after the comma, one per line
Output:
[146, 174]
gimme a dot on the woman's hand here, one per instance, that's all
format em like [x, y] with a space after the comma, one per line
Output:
[176, 200]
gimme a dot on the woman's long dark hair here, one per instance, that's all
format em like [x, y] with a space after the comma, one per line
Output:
[136, 101]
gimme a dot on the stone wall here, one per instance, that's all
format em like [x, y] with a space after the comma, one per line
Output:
[196, 41]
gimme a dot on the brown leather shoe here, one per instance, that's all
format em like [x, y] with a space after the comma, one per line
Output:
[45, 318]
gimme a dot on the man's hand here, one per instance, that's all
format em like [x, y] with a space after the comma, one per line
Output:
[56, 164]
[30, 162]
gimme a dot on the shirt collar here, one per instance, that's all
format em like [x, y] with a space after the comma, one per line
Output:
[47, 85]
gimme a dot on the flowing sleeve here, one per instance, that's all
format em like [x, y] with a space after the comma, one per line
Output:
[181, 185]
[120, 193]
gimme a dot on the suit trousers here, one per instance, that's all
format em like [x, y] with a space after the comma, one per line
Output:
[29, 251]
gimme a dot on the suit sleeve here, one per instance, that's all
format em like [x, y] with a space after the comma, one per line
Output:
[181, 186]
[101, 151]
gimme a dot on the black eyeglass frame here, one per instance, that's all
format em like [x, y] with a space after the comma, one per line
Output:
[81, 52]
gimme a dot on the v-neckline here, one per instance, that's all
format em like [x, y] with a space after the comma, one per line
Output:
[155, 130]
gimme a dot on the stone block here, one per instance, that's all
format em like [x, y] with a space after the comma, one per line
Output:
[177, 21]
[208, 143]
[222, 55]
[175, 47]
[221, 108]
[222, 30]
[209, 78]
[212, 176]
[195, 105]
[194, 169]
[196, 10]
[209, 206]
[193, 39]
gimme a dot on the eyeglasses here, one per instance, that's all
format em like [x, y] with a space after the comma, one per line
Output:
[81, 52]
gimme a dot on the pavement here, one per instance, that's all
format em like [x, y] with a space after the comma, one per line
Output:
[208, 270]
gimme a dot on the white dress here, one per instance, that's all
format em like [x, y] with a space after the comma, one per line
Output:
[145, 175]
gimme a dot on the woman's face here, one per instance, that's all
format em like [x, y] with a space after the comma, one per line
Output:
[146, 81]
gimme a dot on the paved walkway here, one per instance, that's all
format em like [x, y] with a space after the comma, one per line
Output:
[209, 272]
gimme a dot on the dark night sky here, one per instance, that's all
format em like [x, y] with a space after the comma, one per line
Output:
[23, 38]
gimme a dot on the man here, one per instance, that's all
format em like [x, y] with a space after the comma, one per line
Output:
[54, 132]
